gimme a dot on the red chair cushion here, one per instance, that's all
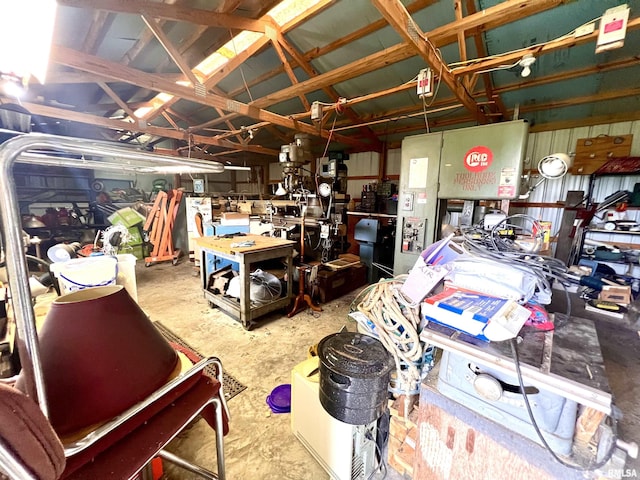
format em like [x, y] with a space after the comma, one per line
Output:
[28, 434]
[121, 453]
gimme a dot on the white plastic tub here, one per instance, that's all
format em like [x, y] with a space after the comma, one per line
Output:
[80, 273]
[127, 274]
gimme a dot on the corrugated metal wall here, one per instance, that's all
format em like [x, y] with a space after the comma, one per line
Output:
[564, 141]
[539, 145]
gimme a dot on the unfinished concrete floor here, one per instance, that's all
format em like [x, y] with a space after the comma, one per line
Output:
[260, 444]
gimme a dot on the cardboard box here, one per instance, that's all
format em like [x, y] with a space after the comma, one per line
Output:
[616, 294]
[232, 218]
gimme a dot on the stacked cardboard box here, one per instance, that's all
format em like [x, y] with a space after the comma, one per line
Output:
[403, 436]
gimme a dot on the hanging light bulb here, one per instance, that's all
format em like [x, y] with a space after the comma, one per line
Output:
[526, 62]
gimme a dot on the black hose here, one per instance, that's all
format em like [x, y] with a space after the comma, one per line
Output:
[593, 466]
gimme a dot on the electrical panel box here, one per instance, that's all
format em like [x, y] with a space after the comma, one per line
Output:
[198, 185]
[413, 234]
[316, 111]
[425, 83]
[417, 199]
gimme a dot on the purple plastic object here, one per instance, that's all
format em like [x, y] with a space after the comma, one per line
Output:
[280, 399]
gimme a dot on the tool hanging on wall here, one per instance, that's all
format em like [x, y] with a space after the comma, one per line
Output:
[159, 228]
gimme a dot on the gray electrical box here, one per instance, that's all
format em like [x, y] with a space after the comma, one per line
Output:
[417, 201]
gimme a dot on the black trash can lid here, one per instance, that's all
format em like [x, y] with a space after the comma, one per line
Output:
[355, 354]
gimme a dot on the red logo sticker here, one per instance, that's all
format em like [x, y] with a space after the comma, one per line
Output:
[478, 159]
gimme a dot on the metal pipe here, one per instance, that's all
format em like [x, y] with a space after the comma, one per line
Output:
[191, 467]
[123, 158]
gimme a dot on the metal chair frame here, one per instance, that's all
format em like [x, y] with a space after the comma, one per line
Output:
[35, 149]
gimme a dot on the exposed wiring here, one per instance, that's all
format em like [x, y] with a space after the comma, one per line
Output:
[500, 67]
[454, 107]
[382, 466]
[498, 245]
[593, 466]
[464, 63]
[244, 81]
[326, 148]
[426, 118]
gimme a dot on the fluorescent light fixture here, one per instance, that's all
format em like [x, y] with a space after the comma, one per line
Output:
[237, 167]
[26, 29]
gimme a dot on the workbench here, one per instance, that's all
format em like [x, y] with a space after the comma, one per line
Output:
[263, 248]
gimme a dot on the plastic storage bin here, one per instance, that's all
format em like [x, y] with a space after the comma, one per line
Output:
[80, 273]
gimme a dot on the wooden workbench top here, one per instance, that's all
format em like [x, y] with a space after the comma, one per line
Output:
[223, 245]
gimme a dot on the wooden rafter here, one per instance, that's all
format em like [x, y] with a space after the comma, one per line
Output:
[114, 96]
[569, 102]
[329, 90]
[170, 12]
[530, 83]
[81, 61]
[549, 47]
[569, 75]
[97, 31]
[273, 36]
[503, 13]
[330, 47]
[79, 117]
[168, 118]
[401, 21]
[170, 48]
[486, 78]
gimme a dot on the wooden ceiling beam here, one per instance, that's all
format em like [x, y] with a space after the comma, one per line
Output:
[320, 51]
[586, 122]
[503, 13]
[170, 48]
[171, 121]
[275, 41]
[46, 111]
[71, 77]
[114, 96]
[570, 74]
[170, 12]
[481, 50]
[569, 102]
[97, 31]
[552, 46]
[364, 65]
[401, 21]
[329, 90]
[82, 61]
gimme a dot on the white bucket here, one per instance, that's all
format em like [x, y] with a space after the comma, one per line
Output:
[127, 274]
[80, 273]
